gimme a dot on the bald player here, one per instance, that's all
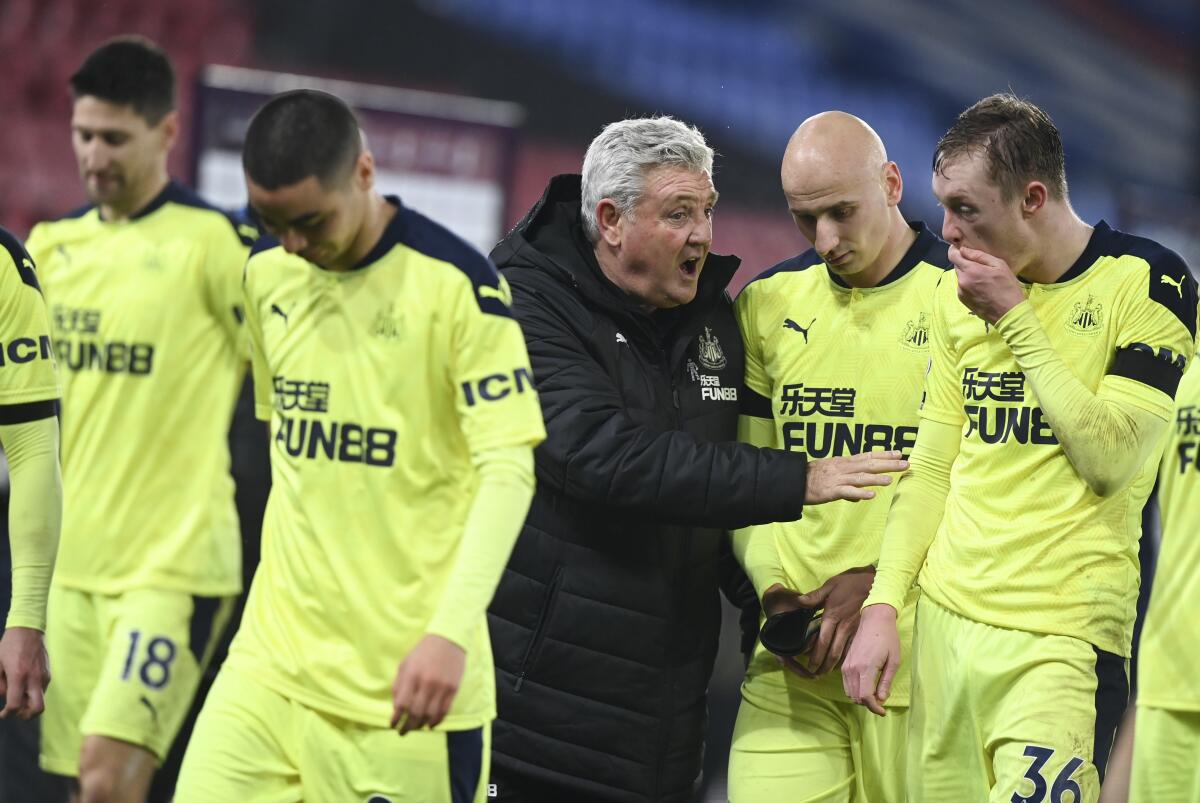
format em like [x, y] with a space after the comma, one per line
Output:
[836, 348]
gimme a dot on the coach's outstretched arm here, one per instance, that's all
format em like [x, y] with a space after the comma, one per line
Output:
[34, 518]
[595, 452]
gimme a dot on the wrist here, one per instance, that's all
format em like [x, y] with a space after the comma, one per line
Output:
[883, 611]
[1014, 317]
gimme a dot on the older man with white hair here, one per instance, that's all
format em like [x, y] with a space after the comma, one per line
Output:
[605, 623]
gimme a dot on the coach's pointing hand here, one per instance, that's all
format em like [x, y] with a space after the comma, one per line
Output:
[849, 477]
[426, 683]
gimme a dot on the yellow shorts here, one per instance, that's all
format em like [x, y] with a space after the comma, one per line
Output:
[125, 666]
[822, 751]
[1007, 715]
[1166, 746]
[253, 745]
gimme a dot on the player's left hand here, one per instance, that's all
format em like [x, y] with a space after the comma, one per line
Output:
[426, 683]
[986, 284]
[24, 672]
[842, 597]
[874, 657]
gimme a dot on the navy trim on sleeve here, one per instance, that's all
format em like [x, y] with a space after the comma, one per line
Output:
[177, 193]
[431, 238]
[264, 243]
[797, 263]
[1170, 281]
[29, 411]
[20, 258]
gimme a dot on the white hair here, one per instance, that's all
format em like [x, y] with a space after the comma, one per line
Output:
[623, 153]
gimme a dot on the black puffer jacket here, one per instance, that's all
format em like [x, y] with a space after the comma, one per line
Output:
[605, 623]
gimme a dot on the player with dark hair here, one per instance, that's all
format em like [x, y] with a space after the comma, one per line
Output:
[303, 135]
[29, 435]
[1056, 349]
[403, 418]
[144, 290]
[129, 71]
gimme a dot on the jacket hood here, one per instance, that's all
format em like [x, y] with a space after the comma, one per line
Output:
[550, 238]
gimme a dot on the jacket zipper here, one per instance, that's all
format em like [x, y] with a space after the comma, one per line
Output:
[540, 627]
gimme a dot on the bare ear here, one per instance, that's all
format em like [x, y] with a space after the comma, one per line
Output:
[893, 183]
[1034, 199]
[364, 170]
[169, 125]
[608, 218]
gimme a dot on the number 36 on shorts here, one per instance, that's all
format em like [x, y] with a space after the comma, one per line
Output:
[1063, 789]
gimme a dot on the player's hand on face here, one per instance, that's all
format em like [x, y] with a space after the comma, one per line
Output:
[426, 683]
[986, 284]
[873, 658]
[841, 597]
[24, 672]
[850, 477]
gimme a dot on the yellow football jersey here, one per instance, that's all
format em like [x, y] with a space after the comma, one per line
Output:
[1170, 646]
[839, 370]
[27, 369]
[379, 383]
[146, 324]
[1024, 543]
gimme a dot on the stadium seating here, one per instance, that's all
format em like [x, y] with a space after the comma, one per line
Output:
[41, 44]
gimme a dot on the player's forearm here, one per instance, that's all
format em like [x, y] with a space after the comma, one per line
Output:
[34, 516]
[754, 547]
[916, 513]
[1106, 435]
[501, 502]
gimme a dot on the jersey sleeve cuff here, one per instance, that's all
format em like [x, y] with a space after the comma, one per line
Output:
[883, 600]
[21, 619]
[455, 632]
[1017, 319]
[883, 593]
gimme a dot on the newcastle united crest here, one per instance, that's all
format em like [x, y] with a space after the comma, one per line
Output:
[711, 356]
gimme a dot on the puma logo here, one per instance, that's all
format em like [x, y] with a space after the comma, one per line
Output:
[1176, 283]
[788, 323]
[153, 711]
[499, 293]
[276, 309]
